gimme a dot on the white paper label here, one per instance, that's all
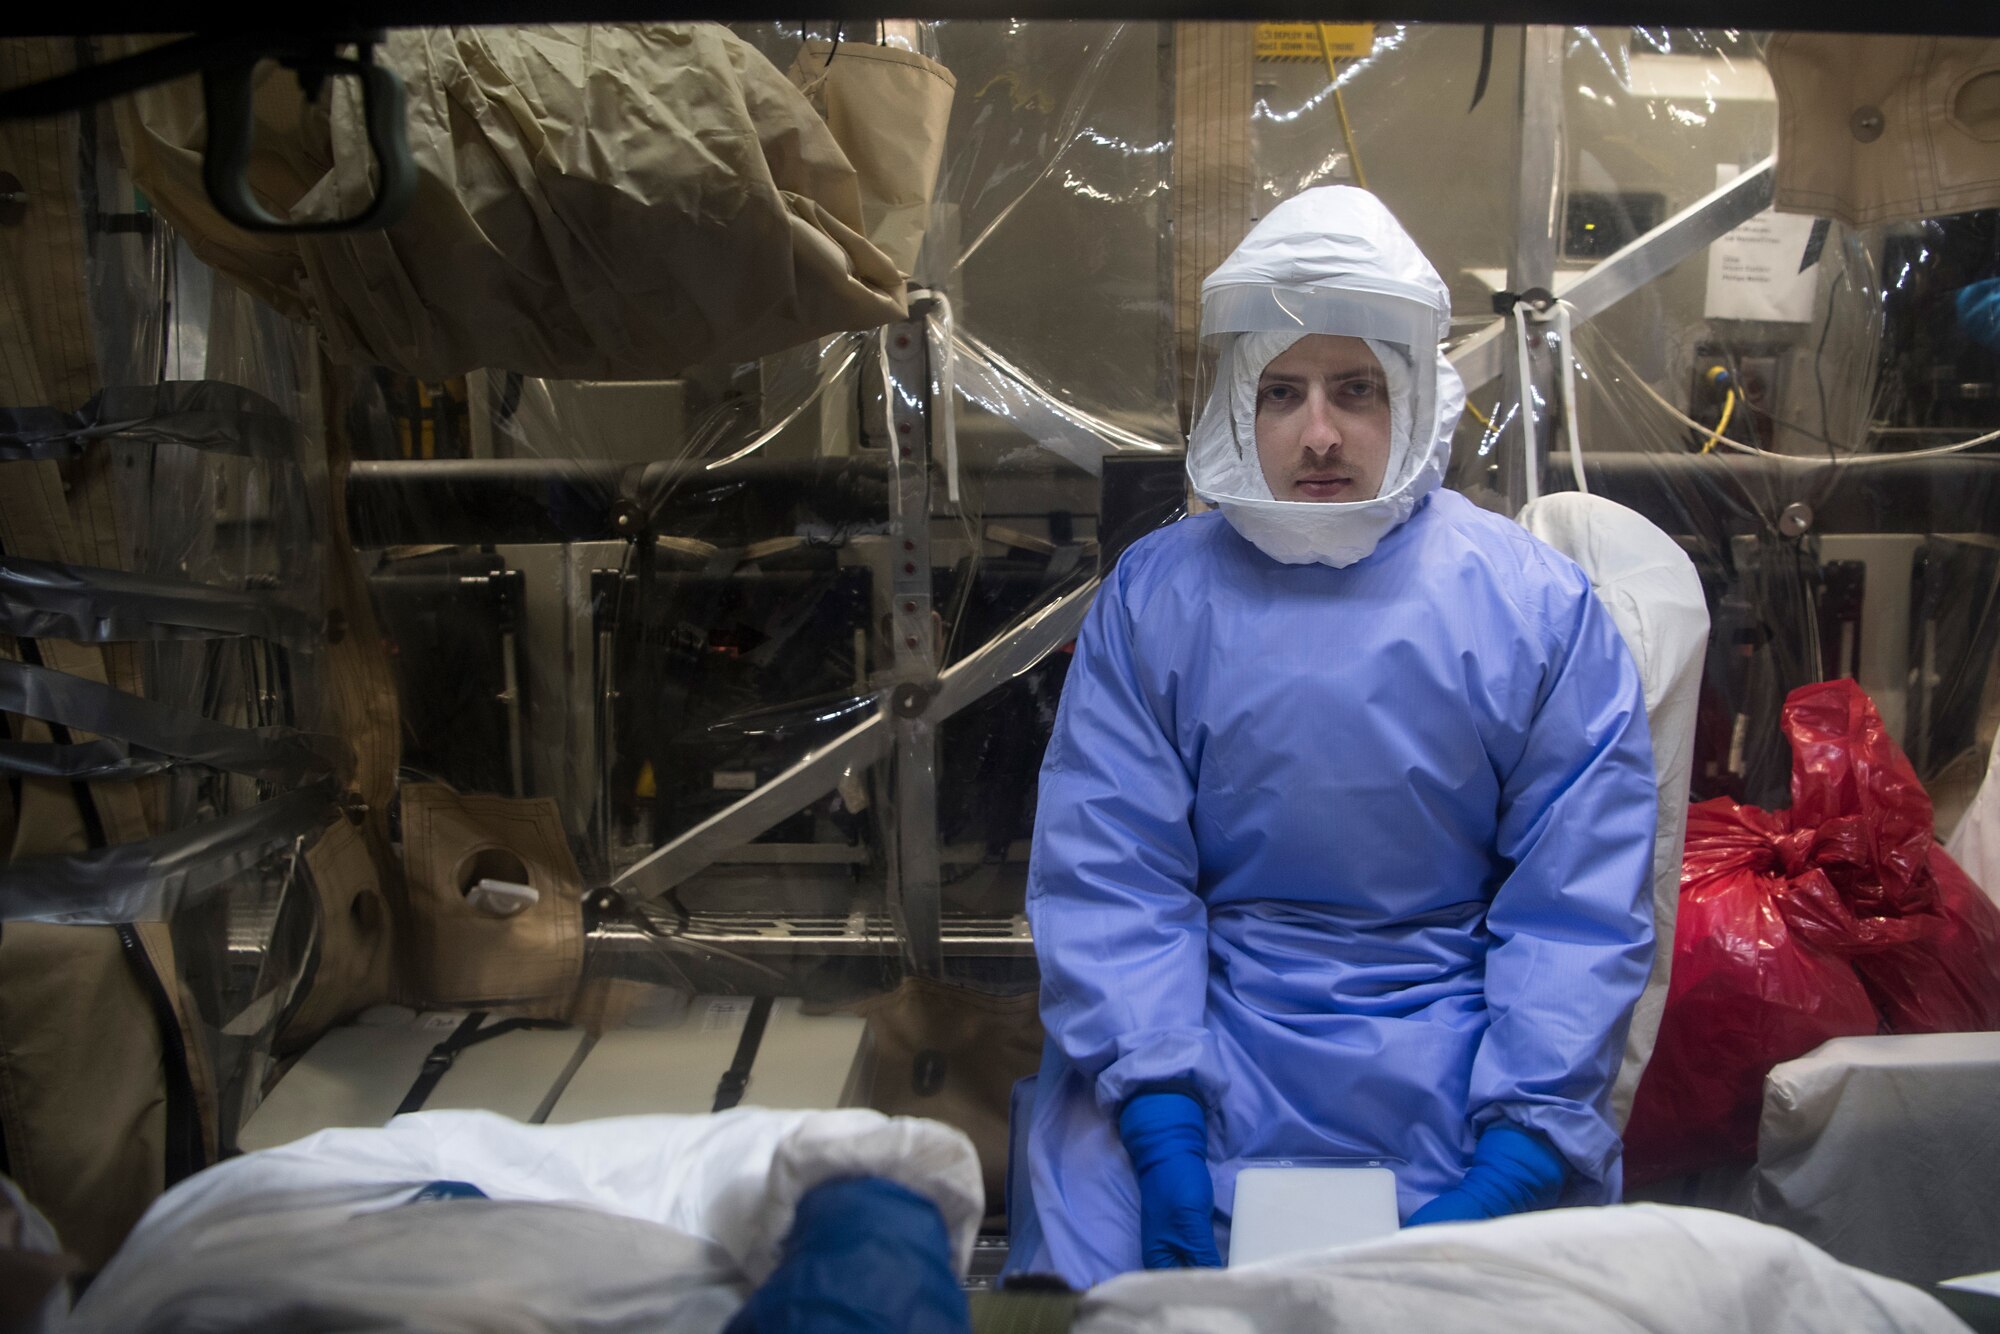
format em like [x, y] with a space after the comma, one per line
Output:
[728, 1012]
[1753, 272]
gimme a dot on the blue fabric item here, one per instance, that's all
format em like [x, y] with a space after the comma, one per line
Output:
[447, 1190]
[1166, 1136]
[864, 1256]
[1360, 855]
[1979, 311]
[1512, 1171]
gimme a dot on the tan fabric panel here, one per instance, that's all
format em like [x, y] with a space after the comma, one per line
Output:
[1878, 129]
[81, 1083]
[595, 202]
[459, 956]
[986, 1043]
[1213, 68]
[356, 967]
[887, 109]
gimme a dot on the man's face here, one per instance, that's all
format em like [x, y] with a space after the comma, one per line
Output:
[1323, 421]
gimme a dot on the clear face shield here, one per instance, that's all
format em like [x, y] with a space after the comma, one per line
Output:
[1245, 326]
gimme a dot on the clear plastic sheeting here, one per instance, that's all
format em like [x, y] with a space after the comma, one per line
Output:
[768, 633]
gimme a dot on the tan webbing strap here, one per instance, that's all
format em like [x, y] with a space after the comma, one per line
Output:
[1213, 68]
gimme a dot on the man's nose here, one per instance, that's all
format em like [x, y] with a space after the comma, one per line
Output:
[1322, 430]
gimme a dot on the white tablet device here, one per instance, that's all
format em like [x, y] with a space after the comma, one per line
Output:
[1290, 1210]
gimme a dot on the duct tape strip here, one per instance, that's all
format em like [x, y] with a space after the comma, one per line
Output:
[152, 879]
[201, 414]
[276, 754]
[76, 761]
[50, 600]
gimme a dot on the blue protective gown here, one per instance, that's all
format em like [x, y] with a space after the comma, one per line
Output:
[1358, 856]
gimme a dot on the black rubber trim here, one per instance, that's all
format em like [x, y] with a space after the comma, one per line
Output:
[729, 1089]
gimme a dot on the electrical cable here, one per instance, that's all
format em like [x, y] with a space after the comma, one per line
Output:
[1722, 422]
[1340, 107]
[1717, 375]
[1837, 460]
[1568, 382]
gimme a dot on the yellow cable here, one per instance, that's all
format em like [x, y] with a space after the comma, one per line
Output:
[1340, 105]
[1477, 415]
[1715, 436]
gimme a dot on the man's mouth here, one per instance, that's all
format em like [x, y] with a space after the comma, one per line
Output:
[1323, 488]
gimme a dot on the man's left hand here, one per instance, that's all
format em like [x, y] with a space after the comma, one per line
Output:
[1513, 1170]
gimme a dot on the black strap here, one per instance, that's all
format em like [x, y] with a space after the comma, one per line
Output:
[729, 1089]
[446, 1053]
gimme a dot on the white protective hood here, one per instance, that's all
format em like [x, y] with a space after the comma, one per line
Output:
[1329, 260]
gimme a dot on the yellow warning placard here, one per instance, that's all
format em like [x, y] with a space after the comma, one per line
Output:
[1300, 41]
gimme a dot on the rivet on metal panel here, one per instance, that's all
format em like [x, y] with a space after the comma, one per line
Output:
[909, 606]
[1795, 519]
[909, 567]
[1866, 123]
[627, 518]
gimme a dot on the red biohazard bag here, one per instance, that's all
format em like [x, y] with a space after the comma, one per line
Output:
[1847, 775]
[1837, 918]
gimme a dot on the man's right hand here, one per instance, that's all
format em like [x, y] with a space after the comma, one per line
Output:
[1166, 1135]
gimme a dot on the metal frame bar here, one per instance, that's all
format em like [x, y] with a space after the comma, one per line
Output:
[915, 880]
[1538, 150]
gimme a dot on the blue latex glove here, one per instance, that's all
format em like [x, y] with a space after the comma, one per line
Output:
[1513, 1170]
[864, 1256]
[1979, 311]
[1166, 1135]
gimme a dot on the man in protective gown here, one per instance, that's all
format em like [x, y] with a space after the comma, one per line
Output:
[1346, 828]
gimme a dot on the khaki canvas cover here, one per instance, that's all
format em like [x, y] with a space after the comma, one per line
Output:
[1886, 129]
[593, 202]
[888, 109]
[461, 956]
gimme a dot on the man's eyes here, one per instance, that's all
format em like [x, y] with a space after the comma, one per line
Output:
[1351, 391]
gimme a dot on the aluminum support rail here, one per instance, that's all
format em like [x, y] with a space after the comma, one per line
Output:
[1618, 275]
[909, 823]
[1530, 377]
